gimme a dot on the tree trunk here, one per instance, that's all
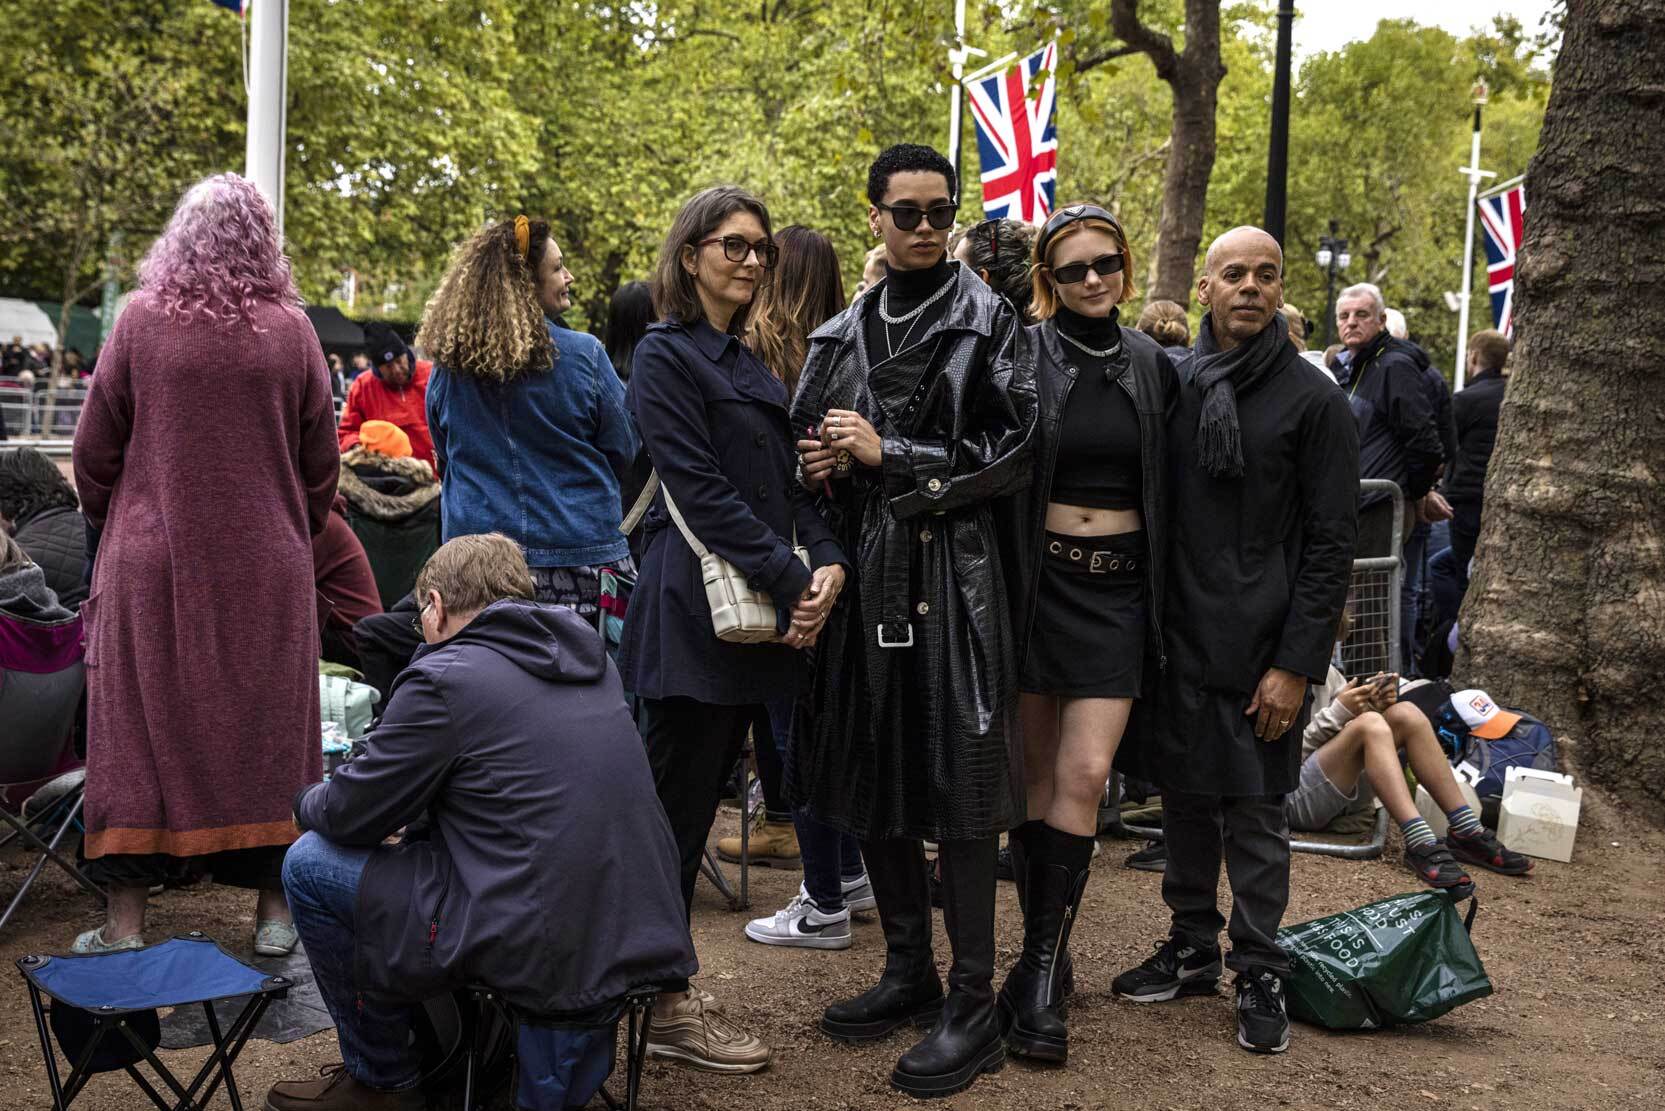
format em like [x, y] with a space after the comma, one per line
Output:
[1566, 614]
[1185, 184]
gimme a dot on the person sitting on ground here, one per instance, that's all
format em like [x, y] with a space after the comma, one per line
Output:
[41, 673]
[548, 874]
[392, 504]
[395, 391]
[1350, 757]
[40, 508]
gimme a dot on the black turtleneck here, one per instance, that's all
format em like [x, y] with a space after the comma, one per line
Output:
[903, 291]
[1098, 462]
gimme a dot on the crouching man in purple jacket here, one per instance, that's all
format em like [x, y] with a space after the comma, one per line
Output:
[543, 866]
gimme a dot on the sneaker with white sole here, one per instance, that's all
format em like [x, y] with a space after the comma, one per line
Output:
[802, 925]
[1176, 968]
[858, 894]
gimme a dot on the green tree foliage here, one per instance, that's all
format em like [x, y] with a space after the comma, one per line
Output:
[412, 122]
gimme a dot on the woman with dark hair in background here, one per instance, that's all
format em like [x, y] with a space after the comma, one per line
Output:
[1166, 323]
[39, 506]
[804, 291]
[527, 417]
[1086, 588]
[628, 315]
[998, 252]
[713, 420]
[206, 456]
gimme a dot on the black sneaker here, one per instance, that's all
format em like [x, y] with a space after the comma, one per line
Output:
[1152, 858]
[1176, 968]
[1484, 849]
[1435, 866]
[1262, 1020]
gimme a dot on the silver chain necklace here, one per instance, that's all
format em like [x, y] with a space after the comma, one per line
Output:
[913, 313]
[1095, 352]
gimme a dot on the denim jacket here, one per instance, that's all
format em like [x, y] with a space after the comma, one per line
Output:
[537, 458]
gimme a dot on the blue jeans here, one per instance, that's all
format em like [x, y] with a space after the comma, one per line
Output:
[1410, 598]
[829, 857]
[321, 880]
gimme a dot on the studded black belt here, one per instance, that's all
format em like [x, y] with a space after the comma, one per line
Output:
[1086, 555]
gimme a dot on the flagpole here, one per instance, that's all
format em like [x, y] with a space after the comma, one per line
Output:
[268, 95]
[1475, 175]
[1502, 187]
[956, 59]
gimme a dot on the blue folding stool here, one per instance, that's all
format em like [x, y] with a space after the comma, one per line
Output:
[97, 995]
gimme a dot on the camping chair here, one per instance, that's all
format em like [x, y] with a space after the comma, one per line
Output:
[636, 1003]
[97, 995]
[39, 712]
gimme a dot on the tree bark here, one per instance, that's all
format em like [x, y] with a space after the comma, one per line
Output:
[1194, 76]
[1566, 613]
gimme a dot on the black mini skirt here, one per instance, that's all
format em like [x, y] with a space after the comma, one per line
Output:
[1088, 639]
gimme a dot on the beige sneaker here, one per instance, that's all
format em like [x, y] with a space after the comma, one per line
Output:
[773, 845]
[696, 1036]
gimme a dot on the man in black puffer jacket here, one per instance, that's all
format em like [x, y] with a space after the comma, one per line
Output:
[1475, 410]
[1398, 436]
[39, 506]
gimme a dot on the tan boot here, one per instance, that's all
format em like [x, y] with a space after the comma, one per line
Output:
[773, 845]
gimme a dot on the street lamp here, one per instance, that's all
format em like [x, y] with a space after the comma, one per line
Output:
[1332, 256]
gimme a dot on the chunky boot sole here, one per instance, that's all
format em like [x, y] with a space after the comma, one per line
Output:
[785, 863]
[855, 1033]
[946, 1084]
[1031, 1043]
[1196, 986]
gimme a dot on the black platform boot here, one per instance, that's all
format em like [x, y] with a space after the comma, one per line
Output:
[1032, 1001]
[909, 989]
[1019, 841]
[967, 1040]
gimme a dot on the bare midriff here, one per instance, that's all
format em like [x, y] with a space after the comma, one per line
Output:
[1079, 520]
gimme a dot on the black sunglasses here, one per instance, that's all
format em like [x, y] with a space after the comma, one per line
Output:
[907, 217]
[1103, 266]
[735, 249]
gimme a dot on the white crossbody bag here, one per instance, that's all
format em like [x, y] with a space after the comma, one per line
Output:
[739, 614]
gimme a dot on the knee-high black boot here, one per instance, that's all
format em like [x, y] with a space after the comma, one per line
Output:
[967, 1040]
[1032, 999]
[910, 989]
[1019, 841]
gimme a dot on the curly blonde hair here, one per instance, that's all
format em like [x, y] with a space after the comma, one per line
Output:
[485, 320]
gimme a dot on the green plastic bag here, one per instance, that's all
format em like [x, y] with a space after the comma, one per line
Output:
[1402, 960]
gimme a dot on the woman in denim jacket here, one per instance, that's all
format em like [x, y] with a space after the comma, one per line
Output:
[527, 417]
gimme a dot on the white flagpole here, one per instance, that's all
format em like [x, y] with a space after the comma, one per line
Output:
[956, 58]
[1475, 175]
[268, 95]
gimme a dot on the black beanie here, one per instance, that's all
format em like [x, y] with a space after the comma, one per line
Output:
[382, 344]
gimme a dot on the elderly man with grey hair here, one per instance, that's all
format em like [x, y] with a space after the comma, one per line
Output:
[1398, 436]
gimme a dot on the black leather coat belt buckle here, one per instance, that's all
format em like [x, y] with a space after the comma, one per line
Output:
[1094, 563]
[904, 639]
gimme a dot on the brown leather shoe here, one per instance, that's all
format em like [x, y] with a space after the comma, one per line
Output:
[336, 1090]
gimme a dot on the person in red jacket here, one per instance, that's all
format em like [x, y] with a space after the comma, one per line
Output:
[396, 391]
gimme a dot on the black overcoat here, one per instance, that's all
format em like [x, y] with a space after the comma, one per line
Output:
[920, 741]
[1257, 574]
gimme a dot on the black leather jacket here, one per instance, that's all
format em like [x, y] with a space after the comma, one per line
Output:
[1145, 371]
[913, 734]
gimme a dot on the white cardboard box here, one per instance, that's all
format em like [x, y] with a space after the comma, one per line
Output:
[1430, 810]
[1539, 813]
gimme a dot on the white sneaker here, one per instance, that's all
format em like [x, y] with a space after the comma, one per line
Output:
[858, 894]
[802, 925]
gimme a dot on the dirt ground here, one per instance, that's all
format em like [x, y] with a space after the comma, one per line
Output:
[1576, 953]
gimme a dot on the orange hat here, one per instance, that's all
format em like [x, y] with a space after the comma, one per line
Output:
[385, 438]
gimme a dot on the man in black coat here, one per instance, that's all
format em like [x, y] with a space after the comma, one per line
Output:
[1264, 478]
[545, 868]
[1475, 411]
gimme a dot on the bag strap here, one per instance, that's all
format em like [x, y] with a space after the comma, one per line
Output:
[1468, 919]
[643, 500]
[700, 550]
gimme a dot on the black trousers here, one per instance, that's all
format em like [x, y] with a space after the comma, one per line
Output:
[386, 642]
[1252, 835]
[692, 747]
[1465, 534]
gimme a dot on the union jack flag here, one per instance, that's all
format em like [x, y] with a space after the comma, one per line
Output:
[1503, 217]
[1017, 138]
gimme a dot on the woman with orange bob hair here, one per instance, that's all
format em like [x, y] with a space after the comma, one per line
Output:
[1086, 586]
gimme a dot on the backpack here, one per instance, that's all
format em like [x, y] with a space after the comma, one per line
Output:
[1529, 744]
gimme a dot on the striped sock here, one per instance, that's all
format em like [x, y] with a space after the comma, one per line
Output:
[1463, 821]
[1417, 833]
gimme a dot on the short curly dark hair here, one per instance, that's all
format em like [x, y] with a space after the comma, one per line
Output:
[30, 484]
[900, 159]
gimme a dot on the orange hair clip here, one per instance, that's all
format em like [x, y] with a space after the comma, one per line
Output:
[523, 234]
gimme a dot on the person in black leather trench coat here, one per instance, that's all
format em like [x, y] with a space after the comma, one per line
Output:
[1086, 587]
[924, 391]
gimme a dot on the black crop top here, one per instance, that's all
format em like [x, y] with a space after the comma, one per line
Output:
[1098, 465]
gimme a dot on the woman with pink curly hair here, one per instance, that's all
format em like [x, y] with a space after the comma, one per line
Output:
[206, 461]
